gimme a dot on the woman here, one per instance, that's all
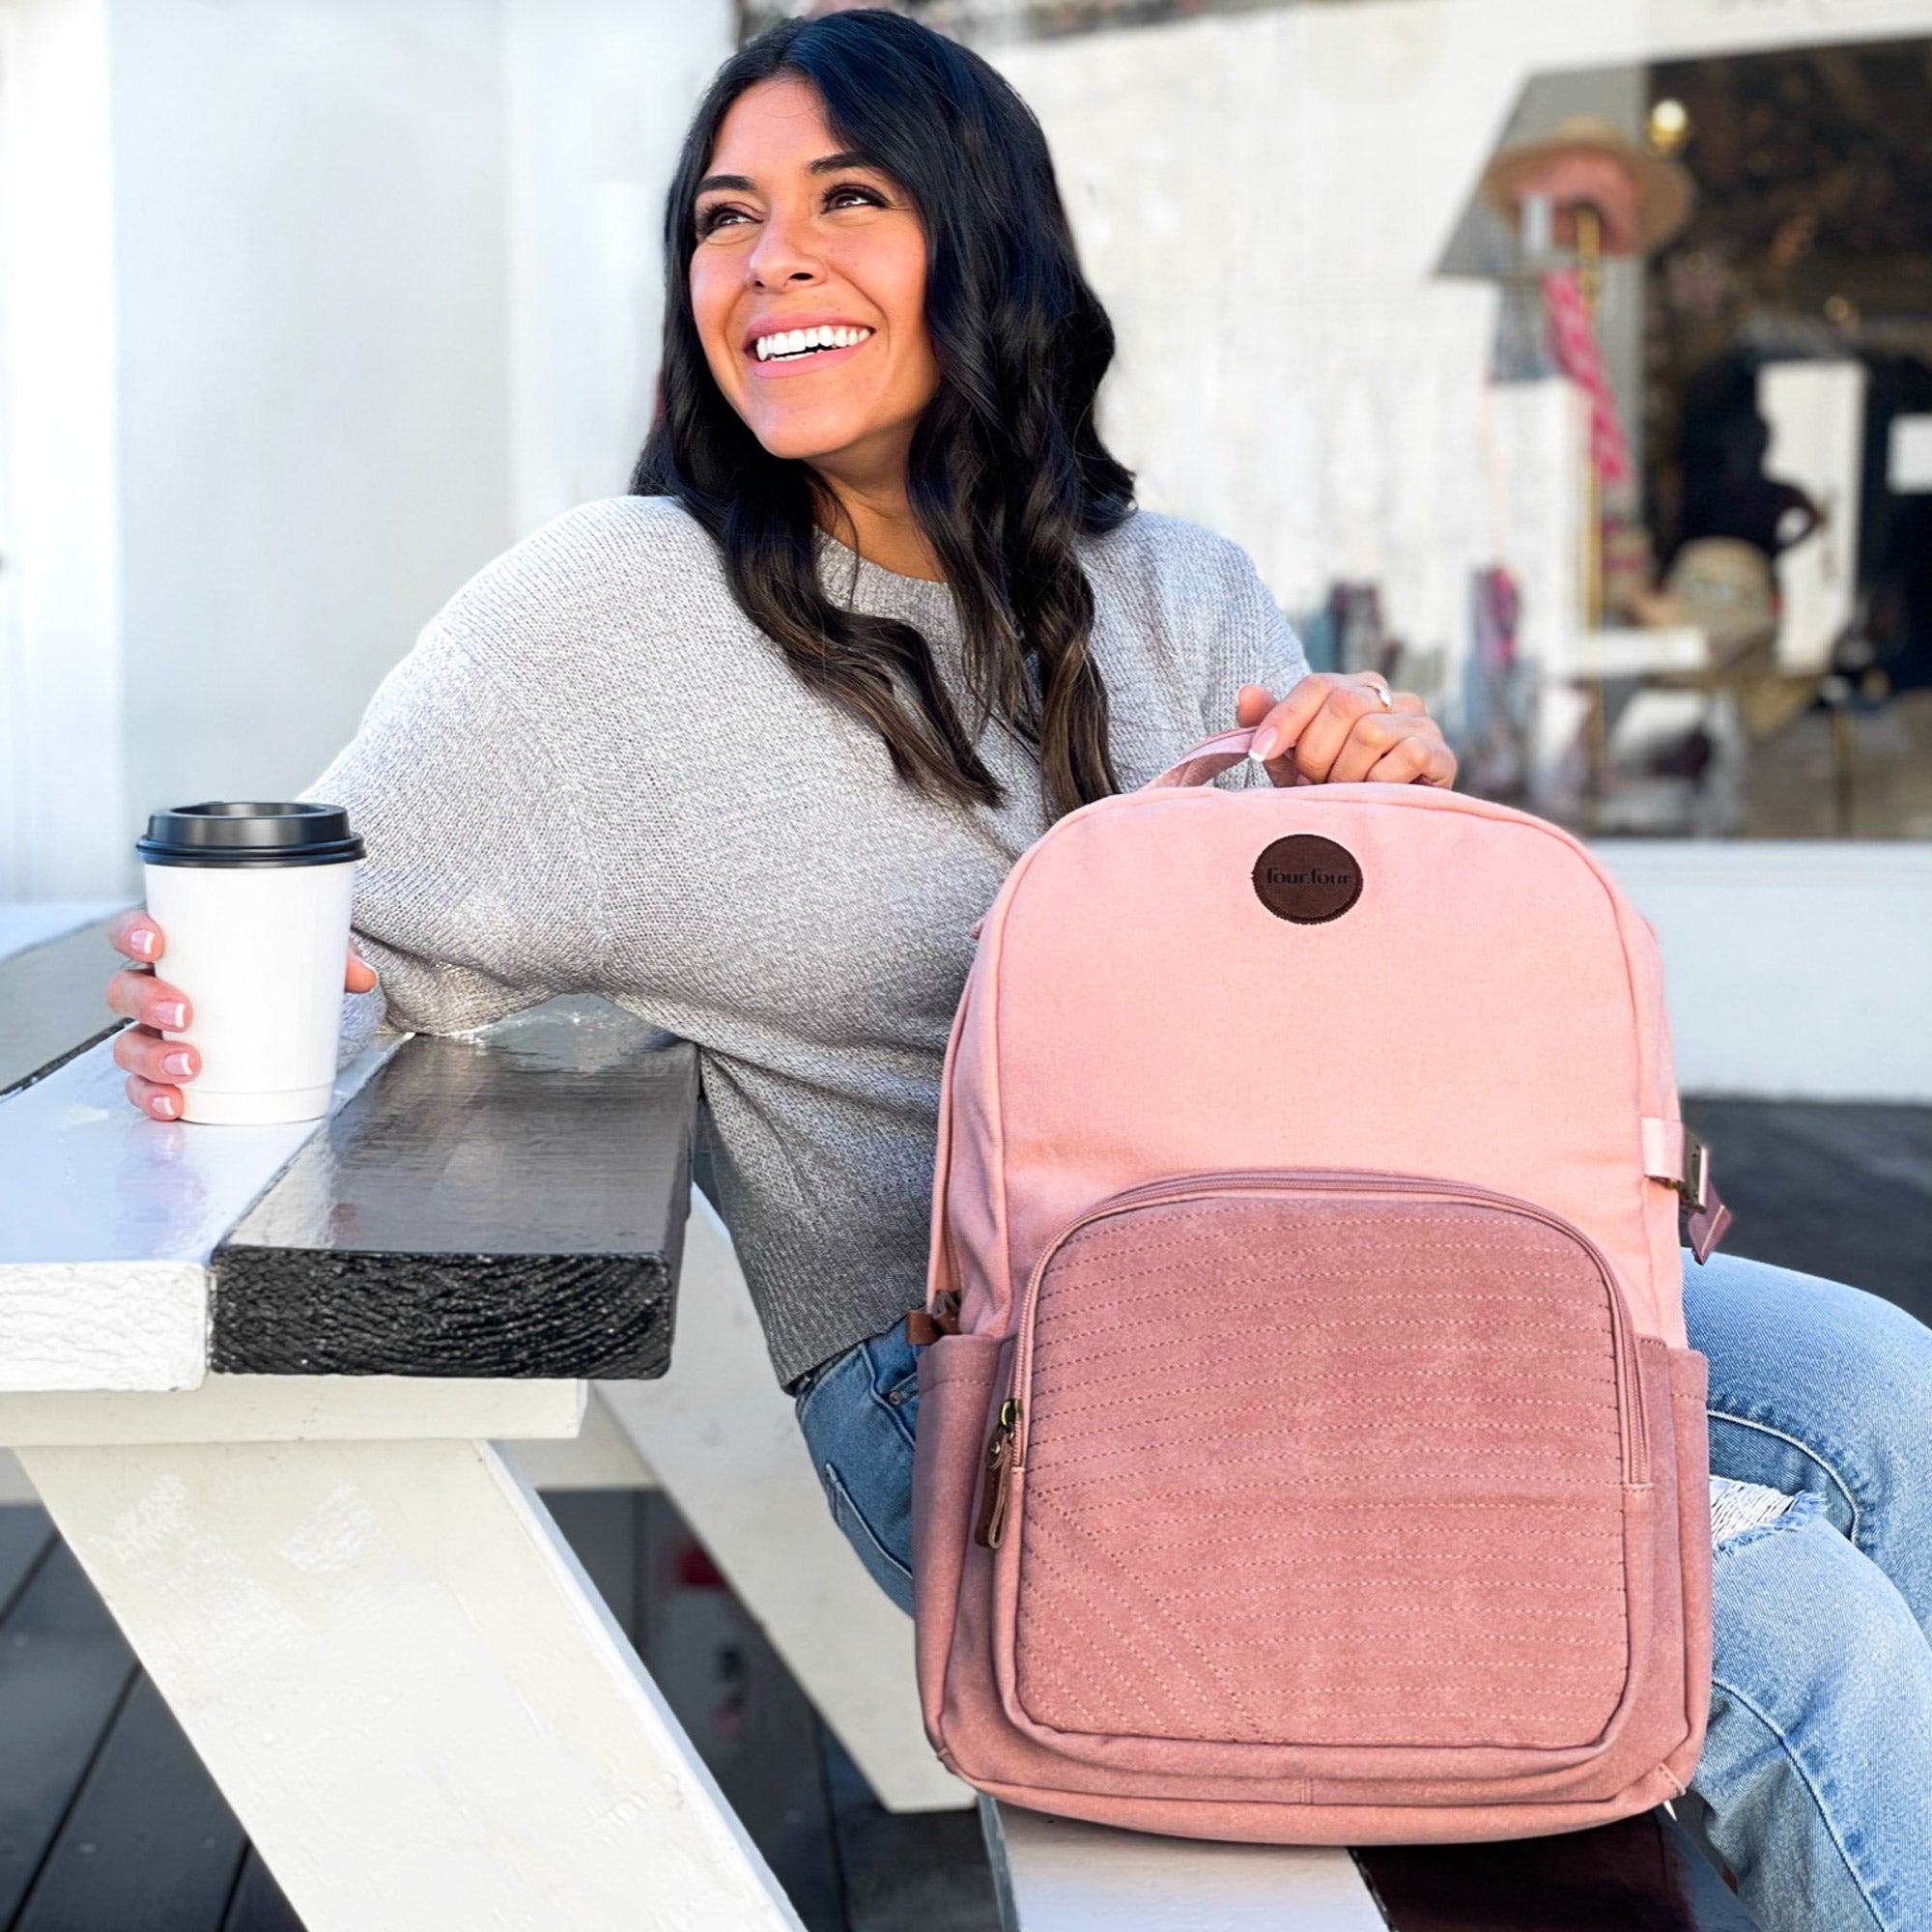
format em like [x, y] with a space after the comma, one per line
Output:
[752, 750]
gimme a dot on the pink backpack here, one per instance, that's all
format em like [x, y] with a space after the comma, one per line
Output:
[1311, 1450]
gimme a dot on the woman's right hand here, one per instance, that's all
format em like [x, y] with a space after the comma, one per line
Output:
[156, 1067]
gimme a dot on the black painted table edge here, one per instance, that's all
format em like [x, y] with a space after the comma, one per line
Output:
[395, 1242]
[296, 1312]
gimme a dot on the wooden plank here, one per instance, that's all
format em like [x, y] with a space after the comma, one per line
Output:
[106, 1223]
[63, 1667]
[290, 1408]
[1062, 1875]
[721, 1436]
[148, 1842]
[53, 984]
[510, 1203]
[259, 1904]
[407, 1690]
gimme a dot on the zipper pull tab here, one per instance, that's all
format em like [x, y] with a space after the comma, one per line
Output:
[992, 1523]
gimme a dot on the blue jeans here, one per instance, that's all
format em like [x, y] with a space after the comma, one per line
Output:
[1817, 1765]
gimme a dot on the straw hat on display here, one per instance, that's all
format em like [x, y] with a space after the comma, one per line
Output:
[1642, 200]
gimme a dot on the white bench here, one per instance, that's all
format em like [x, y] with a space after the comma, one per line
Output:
[1060, 1875]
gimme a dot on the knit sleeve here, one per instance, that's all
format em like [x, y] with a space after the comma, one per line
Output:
[476, 899]
[1252, 643]
[1248, 641]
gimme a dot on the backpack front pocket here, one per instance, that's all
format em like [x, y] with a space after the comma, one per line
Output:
[1335, 1464]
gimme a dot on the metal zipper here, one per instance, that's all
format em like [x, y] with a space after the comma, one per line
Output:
[1633, 1426]
[998, 1485]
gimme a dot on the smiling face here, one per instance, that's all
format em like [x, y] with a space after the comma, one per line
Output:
[808, 285]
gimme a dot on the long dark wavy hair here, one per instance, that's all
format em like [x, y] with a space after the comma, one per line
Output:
[1006, 468]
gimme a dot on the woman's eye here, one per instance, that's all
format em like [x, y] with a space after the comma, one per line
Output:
[850, 194]
[718, 215]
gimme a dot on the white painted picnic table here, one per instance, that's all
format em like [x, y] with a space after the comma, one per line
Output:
[360, 1613]
[259, 1393]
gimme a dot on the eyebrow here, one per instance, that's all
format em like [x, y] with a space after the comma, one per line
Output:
[826, 164]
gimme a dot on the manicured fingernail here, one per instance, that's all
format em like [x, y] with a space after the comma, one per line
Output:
[164, 1106]
[179, 1065]
[142, 940]
[171, 1016]
[1263, 747]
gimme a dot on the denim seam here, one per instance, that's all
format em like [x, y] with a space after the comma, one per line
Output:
[1812, 1792]
[1803, 1448]
[836, 1482]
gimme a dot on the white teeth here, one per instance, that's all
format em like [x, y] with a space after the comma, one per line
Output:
[802, 341]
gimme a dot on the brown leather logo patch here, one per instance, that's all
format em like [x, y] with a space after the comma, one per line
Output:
[1308, 880]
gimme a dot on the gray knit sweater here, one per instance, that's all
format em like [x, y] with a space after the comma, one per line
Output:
[594, 775]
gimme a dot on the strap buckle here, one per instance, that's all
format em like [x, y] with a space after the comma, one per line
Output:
[1694, 1184]
[924, 1326]
[1705, 1215]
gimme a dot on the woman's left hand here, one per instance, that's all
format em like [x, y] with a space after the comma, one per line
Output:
[1335, 729]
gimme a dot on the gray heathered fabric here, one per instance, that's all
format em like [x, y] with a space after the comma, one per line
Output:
[594, 775]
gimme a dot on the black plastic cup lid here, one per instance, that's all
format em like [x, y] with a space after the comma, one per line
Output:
[249, 835]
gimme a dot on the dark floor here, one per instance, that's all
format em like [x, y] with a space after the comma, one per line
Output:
[1844, 1192]
[109, 1824]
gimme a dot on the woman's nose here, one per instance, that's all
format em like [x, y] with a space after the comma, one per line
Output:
[782, 256]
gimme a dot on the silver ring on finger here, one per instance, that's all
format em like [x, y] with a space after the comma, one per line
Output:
[1383, 692]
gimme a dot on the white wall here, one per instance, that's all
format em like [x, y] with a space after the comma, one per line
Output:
[600, 93]
[63, 806]
[311, 257]
[1793, 970]
[313, 306]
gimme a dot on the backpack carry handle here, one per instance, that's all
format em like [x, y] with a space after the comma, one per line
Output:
[1208, 760]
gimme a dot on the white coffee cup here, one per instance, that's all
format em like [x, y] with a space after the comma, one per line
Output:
[253, 902]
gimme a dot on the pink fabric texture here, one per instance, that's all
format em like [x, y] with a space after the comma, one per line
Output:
[1321, 1460]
